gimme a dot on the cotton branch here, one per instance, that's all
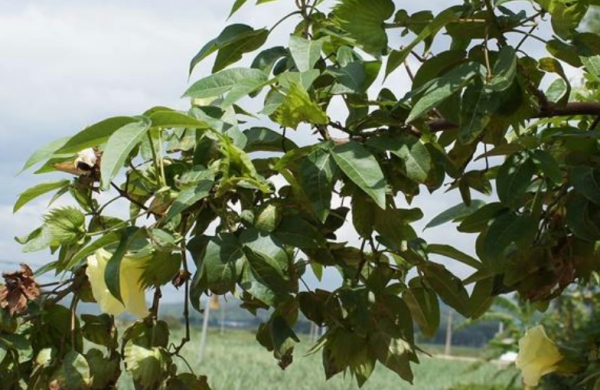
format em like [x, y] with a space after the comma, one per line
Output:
[552, 111]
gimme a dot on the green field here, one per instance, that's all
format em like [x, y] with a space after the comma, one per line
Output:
[235, 361]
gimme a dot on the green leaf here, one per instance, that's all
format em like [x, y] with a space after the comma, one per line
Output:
[189, 196]
[305, 52]
[38, 190]
[316, 177]
[580, 218]
[99, 330]
[118, 148]
[233, 41]
[449, 287]
[39, 239]
[104, 241]
[363, 21]
[262, 139]
[236, 6]
[444, 87]
[396, 58]
[299, 233]
[565, 15]
[505, 230]
[455, 213]
[482, 297]
[76, 371]
[267, 58]
[103, 371]
[268, 217]
[453, 253]
[44, 153]
[363, 214]
[392, 336]
[354, 78]
[548, 165]
[479, 219]
[96, 134]
[233, 83]
[505, 70]
[362, 168]
[173, 119]
[411, 150]
[478, 104]
[219, 262]
[112, 273]
[66, 225]
[424, 307]
[584, 180]
[148, 366]
[298, 107]
[514, 177]
[268, 262]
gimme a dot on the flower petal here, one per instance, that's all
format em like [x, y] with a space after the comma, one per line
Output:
[96, 266]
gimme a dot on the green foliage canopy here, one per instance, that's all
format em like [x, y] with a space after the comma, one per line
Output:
[207, 183]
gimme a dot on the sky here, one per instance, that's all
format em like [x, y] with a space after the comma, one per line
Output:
[69, 64]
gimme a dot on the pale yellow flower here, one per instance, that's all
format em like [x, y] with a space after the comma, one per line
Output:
[538, 355]
[132, 290]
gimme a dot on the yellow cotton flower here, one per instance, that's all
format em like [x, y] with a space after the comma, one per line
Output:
[132, 290]
[538, 355]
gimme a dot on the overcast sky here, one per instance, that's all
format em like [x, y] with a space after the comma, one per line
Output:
[69, 64]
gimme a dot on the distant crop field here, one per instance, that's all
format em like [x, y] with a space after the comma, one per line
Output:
[235, 361]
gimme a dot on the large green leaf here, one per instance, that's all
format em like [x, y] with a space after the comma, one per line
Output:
[38, 190]
[219, 262]
[505, 70]
[118, 148]
[44, 153]
[580, 218]
[316, 176]
[233, 41]
[505, 230]
[514, 177]
[585, 181]
[112, 273]
[299, 233]
[305, 52]
[96, 134]
[105, 240]
[354, 77]
[453, 253]
[189, 196]
[362, 168]
[268, 261]
[364, 22]
[233, 83]
[448, 286]
[298, 107]
[396, 58]
[266, 140]
[444, 87]
[411, 150]
[455, 213]
[424, 307]
[170, 119]
[477, 107]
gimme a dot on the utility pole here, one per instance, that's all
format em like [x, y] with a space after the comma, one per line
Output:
[448, 348]
[204, 330]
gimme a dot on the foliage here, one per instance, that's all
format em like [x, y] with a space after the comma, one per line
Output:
[255, 222]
